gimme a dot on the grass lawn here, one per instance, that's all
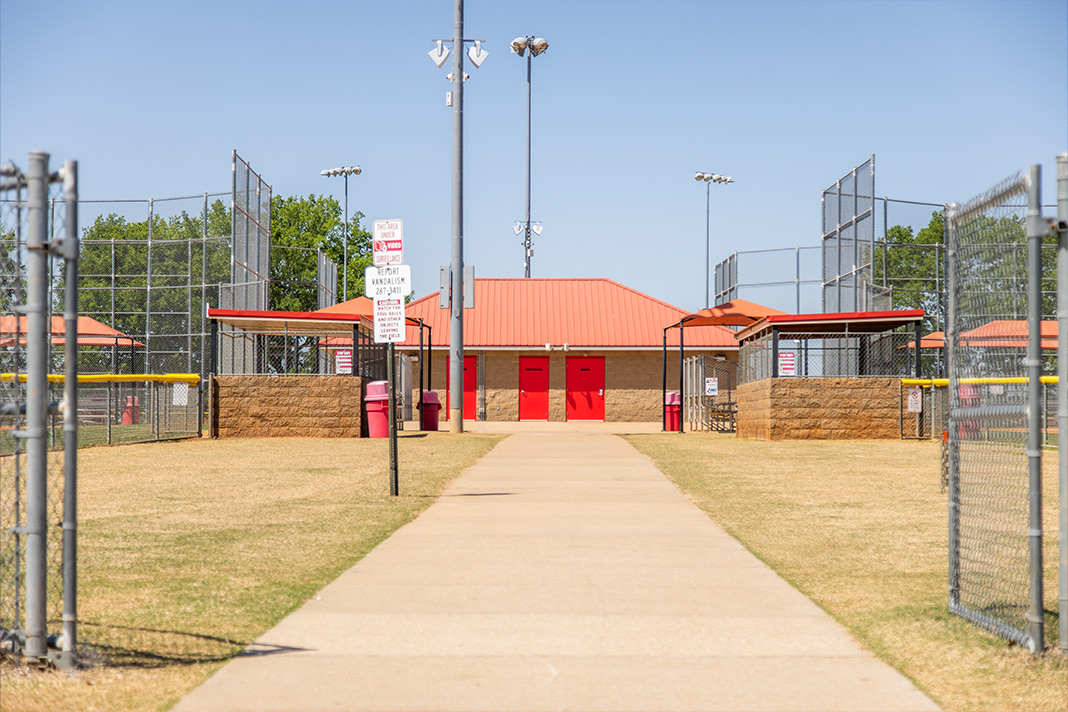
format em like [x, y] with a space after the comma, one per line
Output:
[190, 550]
[860, 528]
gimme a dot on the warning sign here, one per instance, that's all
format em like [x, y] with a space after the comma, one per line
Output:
[787, 364]
[389, 321]
[915, 400]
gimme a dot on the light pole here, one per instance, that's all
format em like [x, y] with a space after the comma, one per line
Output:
[345, 171]
[455, 99]
[536, 45]
[709, 179]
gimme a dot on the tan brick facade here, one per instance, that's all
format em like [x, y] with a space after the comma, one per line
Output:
[287, 406]
[819, 409]
[633, 382]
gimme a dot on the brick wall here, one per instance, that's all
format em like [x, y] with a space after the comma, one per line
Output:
[287, 406]
[819, 409]
[633, 382]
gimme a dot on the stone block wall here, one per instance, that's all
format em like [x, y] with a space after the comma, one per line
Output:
[287, 406]
[819, 409]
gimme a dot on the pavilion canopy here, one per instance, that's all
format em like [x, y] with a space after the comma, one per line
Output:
[90, 333]
[872, 322]
[738, 312]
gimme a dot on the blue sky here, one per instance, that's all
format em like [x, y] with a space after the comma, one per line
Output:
[628, 102]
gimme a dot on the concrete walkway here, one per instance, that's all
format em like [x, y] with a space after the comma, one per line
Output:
[562, 572]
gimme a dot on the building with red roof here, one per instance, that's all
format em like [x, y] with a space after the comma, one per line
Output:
[562, 349]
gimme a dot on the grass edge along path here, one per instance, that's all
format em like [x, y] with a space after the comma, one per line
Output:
[860, 528]
[191, 550]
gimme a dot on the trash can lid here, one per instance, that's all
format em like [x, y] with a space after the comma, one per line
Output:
[672, 399]
[377, 388]
[430, 398]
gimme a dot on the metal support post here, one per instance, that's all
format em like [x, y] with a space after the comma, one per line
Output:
[526, 241]
[37, 409]
[919, 336]
[774, 352]
[953, 484]
[682, 401]
[456, 322]
[394, 488]
[69, 641]
[663, 390]
[1062, 389]
[1036, 230]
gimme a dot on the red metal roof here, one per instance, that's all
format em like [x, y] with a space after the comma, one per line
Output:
[1009, 333]
[90, 332]
[360, 306]
[738, 312]
[855, 322]
[583, 313]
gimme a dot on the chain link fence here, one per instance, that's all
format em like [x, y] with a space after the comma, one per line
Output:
[827, 355]
[708, 394]
[38, 251]
[925, 404]
[993, 432]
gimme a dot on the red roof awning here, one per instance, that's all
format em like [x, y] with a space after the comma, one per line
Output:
[833, 323]
[90, 332]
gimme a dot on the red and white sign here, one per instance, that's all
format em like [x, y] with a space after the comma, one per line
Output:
[787, 364]
[343, 361]
[389, 321]
[388, 243]
[915, 400]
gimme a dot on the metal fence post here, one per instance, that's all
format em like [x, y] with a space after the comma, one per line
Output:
[148, 290]
[953, 484]
[1062, 388]
[69, 642]
[37, 312]
[1036, 230]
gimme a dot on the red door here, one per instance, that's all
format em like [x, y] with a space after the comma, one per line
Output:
[533, 387]
[470, 387]
[585, 388]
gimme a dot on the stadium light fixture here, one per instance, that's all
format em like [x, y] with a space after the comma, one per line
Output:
[709, 179]
[536, 45]
[344, 171]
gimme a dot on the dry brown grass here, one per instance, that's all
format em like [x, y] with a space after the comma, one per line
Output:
[860, 527]
[189, 550]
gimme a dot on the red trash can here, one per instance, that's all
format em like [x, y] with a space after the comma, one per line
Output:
[130, 414]
[672, 412]
[377, 405]
[428, 410]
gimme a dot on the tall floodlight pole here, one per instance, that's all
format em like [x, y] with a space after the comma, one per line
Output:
[520, 46]
[344, 171]
[709, 179]
[455, 99]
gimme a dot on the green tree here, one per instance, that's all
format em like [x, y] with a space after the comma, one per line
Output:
[300, 227]
[912, 266]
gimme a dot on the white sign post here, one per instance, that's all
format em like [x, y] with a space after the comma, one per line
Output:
[387, 243]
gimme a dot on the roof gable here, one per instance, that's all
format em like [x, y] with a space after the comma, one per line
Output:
[583, 313]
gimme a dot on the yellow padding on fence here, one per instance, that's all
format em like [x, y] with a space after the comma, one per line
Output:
[115, 378]
[987, 381]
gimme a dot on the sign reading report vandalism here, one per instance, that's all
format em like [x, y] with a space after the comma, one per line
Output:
[387, 282]
[388, 286]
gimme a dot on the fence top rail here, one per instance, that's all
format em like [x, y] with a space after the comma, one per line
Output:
[978, 381]
[112, 378]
